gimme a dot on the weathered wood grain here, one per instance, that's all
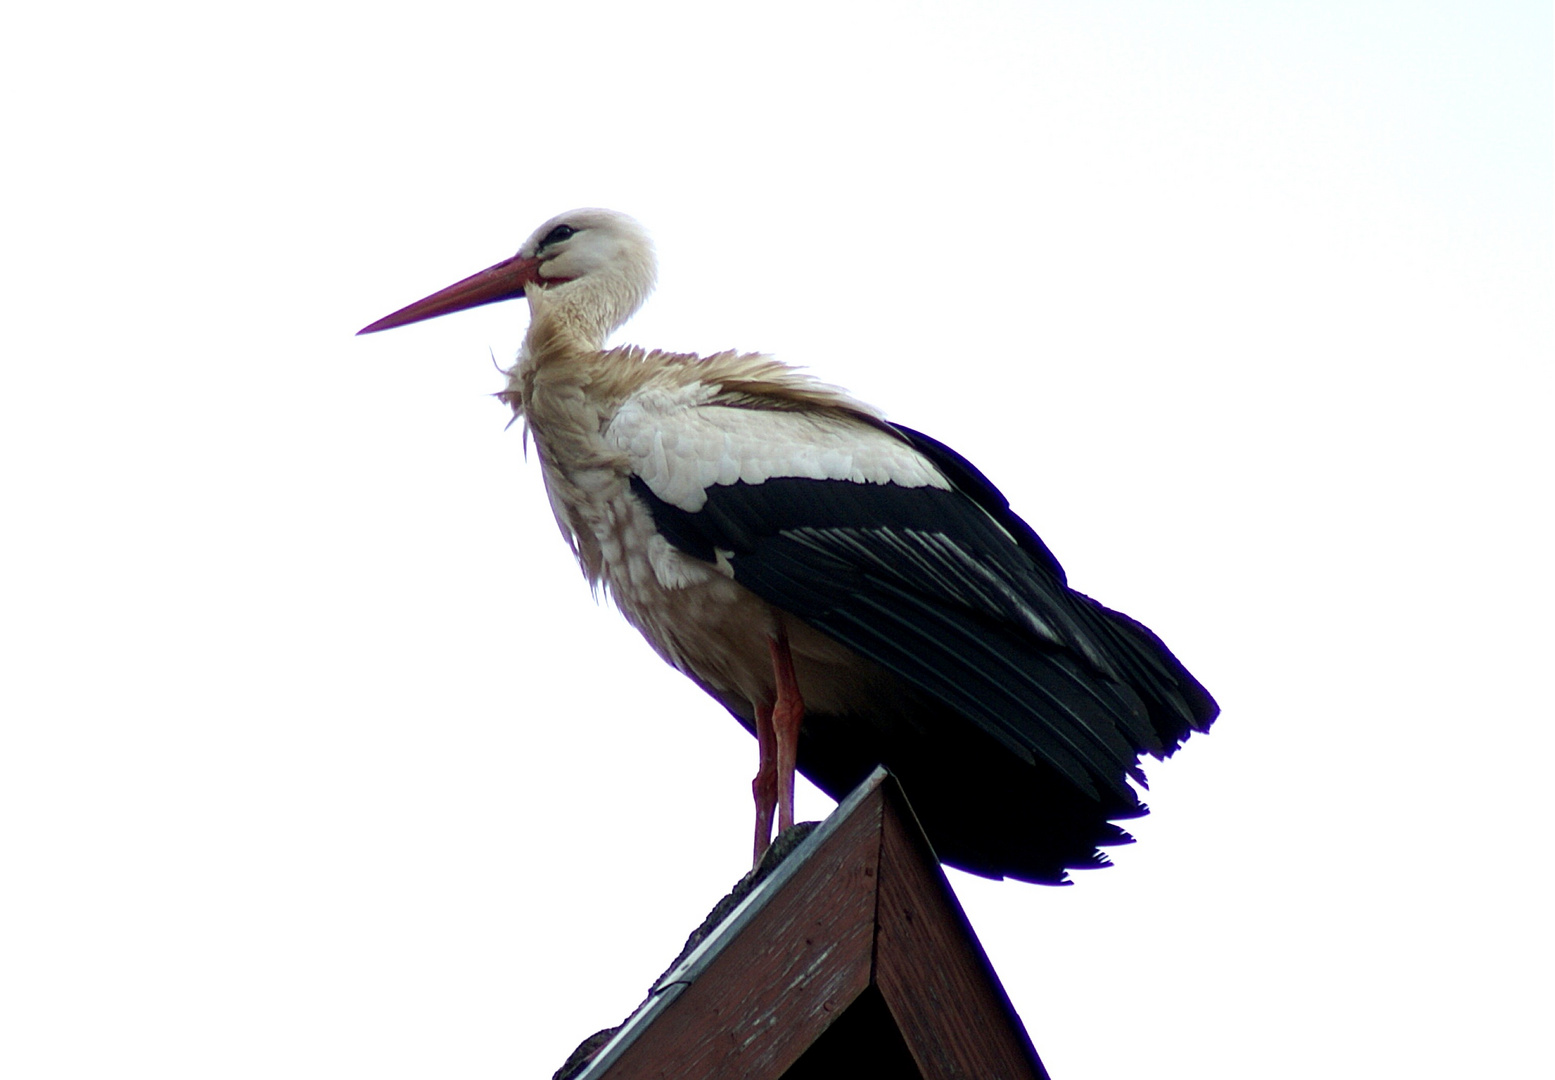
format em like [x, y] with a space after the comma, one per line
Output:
[935, 978]
[802, 959]
[860, 962]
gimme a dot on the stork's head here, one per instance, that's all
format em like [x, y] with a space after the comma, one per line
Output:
[596, 264]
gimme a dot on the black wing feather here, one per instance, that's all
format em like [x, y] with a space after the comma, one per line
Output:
[960, 599]
[961, 655]
[1178, 703]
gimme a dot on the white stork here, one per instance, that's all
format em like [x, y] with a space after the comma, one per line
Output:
[853, 591]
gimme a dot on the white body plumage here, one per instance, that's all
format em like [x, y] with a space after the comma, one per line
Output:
[668, 420]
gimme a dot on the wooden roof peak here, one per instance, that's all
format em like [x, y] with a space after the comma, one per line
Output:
[847, 955]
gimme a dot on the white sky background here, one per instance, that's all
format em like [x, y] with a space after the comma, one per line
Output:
[319, 761]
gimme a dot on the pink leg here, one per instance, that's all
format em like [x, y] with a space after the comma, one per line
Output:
[765, 787]
[787, 715]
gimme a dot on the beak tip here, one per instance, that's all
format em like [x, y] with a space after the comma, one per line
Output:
[504, 281]
[403, 317]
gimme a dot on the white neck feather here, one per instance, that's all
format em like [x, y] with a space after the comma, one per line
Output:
[591, 308]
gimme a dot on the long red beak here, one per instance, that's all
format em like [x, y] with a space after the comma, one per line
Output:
[504, 281]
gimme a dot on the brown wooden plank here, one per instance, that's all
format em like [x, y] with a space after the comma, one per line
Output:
[771, 991]
[935, 978]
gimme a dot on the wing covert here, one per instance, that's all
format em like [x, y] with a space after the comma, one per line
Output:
[897, 547]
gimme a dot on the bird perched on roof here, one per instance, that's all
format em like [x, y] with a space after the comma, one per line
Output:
[852, 591]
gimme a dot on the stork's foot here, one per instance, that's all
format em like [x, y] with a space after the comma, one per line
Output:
[777, 745]
[783, 843]
[787, 716]
[764, 788]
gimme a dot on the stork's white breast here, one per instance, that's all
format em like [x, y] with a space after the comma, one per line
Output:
[681, 442]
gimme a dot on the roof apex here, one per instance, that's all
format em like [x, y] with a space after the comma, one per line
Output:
[857, 922]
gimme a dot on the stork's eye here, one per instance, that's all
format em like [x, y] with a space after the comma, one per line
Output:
[557, 235]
